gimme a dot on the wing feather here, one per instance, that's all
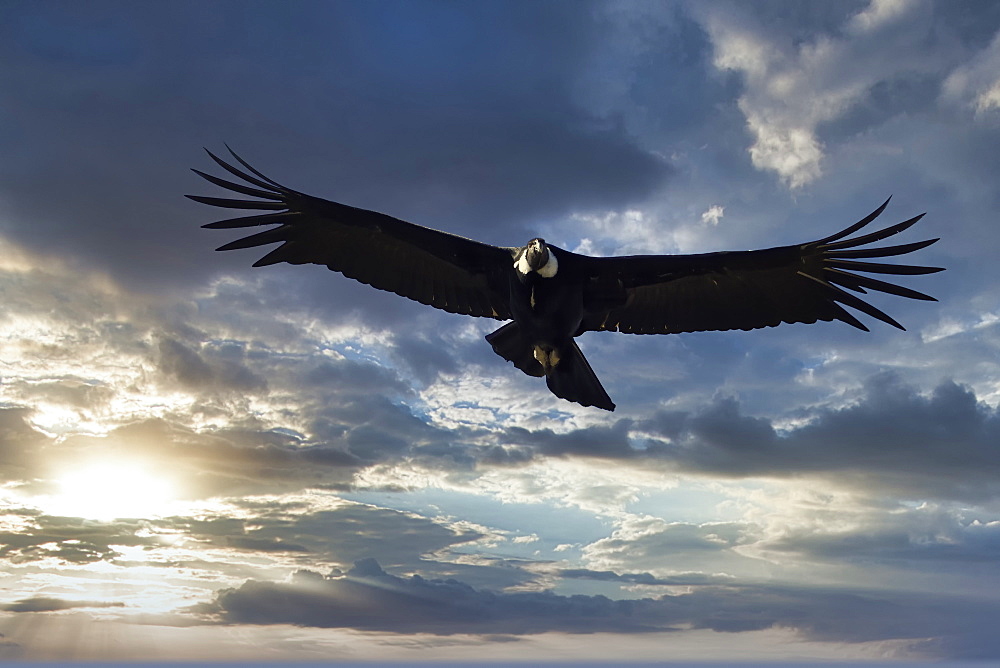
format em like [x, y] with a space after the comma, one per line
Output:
[266, 183]
[858, 282]
[237, 203]
[879, 268]
[663, 294]
[443, 270]
[250, 221]
[885, 251]
[847, 231]
[238, 187]
[874, 236]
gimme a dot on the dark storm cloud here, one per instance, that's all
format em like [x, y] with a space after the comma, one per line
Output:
[190, 368]
[368, 598]
[371, 599]
[426, 359]
[599, 441]
[374, 429]
[893, 438]
[460, 116]
[942, 445]
[356, 377]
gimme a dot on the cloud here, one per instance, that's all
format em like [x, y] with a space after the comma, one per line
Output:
[645, 579]
[713, 215]
[668, 549]
[879, 14]
[170, 380]
[19, 444]
[189, 368]
[906, 442]
[893, 437]
[49, 604]
[490, 148]
[792, 87]
[369, 598]
[301, 403]
[976, 83]
[230, 462]
[596, 441]
[70, 540]
[928, 537]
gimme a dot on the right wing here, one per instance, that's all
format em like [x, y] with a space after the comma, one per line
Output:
[664, 294]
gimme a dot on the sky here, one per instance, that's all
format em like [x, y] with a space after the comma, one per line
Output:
[202, 461]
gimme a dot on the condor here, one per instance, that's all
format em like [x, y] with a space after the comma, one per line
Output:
[550, 295]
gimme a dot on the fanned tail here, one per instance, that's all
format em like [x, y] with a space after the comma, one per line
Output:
[573, 379]
[509, 344]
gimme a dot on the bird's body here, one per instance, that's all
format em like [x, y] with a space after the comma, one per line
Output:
[548, 306]
[551, 296]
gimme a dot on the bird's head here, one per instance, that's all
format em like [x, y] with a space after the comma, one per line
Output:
[536, 254]
[537, 257]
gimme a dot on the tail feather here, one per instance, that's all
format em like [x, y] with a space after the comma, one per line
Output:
[573, 379]
[508, 343]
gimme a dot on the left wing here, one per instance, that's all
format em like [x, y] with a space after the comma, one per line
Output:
[436, 268]
[664, 294]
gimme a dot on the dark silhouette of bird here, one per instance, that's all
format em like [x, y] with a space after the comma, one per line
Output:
[551, 295]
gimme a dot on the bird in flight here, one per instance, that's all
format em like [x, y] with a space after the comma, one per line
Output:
[550, 295]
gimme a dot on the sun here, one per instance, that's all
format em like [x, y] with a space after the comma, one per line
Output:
[109, 490]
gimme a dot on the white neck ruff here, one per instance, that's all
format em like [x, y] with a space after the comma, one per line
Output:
[547, 270]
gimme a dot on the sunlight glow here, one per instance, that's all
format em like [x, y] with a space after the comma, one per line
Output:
[108, 490]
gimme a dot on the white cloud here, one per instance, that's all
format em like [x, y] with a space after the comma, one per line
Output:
[666, 229]
[713, 215]
[977, 82]
[948, 327]
[791, 89]
[792, 152]
[878, 14]
[645, 543]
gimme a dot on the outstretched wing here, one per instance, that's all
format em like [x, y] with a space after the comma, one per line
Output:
[663, 294]
[443, 270]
